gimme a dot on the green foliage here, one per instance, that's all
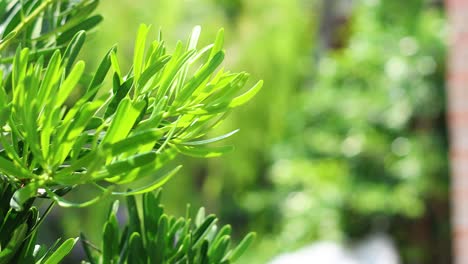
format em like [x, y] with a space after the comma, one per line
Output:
[119, 135]
[62, 127]
[18, 234]
[151, 236]
[43, 25]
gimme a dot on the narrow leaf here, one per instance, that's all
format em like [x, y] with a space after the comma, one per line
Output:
[15, 242]
[62, 251]
[125, 117]
[23, 194]
[137, 253]
[242, 99]
[210, 140]
[73, 49]
[161, 178]
[203, 152]
[139, 51]
[242, 247]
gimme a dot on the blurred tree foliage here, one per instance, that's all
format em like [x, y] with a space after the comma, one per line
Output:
[366, 149]
[344, 139]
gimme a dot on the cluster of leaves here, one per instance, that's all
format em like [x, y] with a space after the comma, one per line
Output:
[121, 135]
[43, 25]
[18, 234]
[272, 39]
[61, 127]
[151, 236]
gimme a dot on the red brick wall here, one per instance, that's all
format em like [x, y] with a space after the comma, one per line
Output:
[457, 89]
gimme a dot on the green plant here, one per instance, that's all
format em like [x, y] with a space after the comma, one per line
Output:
[151, 236]
[120, 136]
[43, 25]
[61, 128]
[19, 234]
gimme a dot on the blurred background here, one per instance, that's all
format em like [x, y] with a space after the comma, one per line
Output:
[346, 140]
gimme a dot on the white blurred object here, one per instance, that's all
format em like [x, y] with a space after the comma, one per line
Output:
[317, 253]
[376, 249]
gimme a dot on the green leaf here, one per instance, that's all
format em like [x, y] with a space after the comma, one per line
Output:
[203, 230]
[84, 25]
[94, 123]
[51, 77]
[242, 247]
[174, 233]
[66, 176]
[242, 99]
[8, 37]
[125, 117]
[224, 89]
[200, 53]
[123, 245]
[128, 164]
[19, 66]
[137, 253]
[203, 152]
[44, 252]
[15, 164]
[200, 77]
[134, 142]
[11, 169]
[115, 64]
[157, 50]
[150, 72]
[152, 211]
[65, 203]
[193, 40]
[70, 82]
[62, 251]
[200, 217]
[210, 140]
[139, 51]
[110, 243]
[134, 217]
[63, 144]
[87, 248]
[161, 177]
[73, 49]
[184, 249]
[203, 253]
[120, 92]
[224, 231]
[218, 44]
[173, 67]
[27, 251]
[149, 170]
[101, 73]
[23, 194]
[219, 249]
[15, 242]
[160, 240]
